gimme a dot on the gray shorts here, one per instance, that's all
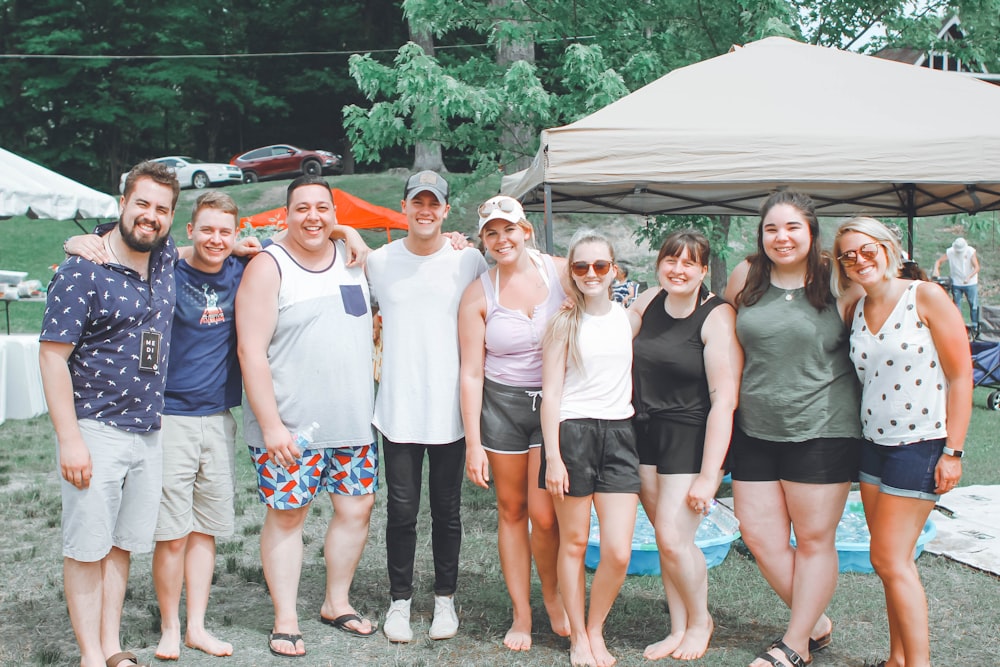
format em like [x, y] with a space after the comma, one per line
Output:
[600, 456]
[118, 507]
[199, 476]
[510, 421]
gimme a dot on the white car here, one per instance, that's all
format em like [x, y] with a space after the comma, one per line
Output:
[196, 174]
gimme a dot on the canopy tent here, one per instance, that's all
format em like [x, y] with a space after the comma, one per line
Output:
[859, 134]
[351, 210]
[29, 189]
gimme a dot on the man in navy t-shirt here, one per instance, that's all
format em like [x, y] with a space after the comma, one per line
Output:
[199, 432]
[104, 347]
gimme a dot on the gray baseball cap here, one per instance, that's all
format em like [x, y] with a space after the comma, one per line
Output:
[426, 181]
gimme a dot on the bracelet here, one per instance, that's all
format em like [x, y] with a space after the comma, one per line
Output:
[957, 453]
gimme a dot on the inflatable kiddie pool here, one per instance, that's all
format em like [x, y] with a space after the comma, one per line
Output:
[854, 540]
[716, 533]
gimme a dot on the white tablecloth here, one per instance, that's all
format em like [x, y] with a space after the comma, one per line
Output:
[21, 395]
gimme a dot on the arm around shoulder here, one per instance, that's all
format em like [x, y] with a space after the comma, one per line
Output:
[737, 281]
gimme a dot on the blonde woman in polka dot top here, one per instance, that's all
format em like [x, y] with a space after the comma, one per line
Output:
[910, 351]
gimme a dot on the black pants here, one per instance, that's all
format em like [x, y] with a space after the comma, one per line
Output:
[403, 471]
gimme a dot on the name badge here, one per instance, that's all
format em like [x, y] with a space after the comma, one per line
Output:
[149, 358]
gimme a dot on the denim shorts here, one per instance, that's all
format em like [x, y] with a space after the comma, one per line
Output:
[902, 470]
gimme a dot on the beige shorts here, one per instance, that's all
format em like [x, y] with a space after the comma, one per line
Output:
[199, 476]
[123, 495]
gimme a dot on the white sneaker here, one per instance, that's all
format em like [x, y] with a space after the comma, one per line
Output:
[396, 625]
[445, 623]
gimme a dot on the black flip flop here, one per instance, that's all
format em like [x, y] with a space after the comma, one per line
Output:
[341, 624]
[283, 637]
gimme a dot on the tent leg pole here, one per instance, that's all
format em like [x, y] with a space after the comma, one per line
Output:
[909, 234]
[549, 243]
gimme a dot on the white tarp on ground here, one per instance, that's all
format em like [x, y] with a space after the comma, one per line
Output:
[29, 189]
[716, 137]
[969, 531]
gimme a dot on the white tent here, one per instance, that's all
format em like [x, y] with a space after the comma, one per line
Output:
[858, 133]
[29, 189]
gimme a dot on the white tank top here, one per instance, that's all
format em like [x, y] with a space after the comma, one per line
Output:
[604, 391]
[902, 384]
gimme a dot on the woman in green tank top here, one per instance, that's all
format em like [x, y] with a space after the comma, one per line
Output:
[796, 447]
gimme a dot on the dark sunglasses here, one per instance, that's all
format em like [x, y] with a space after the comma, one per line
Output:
[505, 204]
[868, 252]
[601, 268]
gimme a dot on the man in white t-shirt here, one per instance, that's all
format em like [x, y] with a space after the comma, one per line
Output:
[964, 265]
[418, 282]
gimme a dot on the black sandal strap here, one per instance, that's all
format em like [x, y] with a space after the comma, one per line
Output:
[794, 658]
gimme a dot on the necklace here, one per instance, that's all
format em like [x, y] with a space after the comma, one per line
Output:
[789, 291]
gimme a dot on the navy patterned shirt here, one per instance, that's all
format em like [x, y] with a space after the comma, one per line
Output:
[104, 310]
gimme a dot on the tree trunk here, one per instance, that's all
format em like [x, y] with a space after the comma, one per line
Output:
[717, 265]
[516, 137]
[426, 154]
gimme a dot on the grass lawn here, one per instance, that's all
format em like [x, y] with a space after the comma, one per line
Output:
[34, 625]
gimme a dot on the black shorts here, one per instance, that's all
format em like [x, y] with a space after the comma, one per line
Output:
[510, 421]
[674, 448]
[816, 461]
[599, 455]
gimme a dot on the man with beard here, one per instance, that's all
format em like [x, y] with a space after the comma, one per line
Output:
[104, 344]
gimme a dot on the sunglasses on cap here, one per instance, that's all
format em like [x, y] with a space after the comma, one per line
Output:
[867, 252]
[601, 268]
[504, 204]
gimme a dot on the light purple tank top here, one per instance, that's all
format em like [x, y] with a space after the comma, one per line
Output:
[514, 340]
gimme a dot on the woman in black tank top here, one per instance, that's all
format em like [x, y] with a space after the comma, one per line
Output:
[686, 372]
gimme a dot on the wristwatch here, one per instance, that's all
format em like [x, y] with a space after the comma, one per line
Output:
[957, 453]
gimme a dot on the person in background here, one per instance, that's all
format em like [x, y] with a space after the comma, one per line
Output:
[910, 352]
[963, 262]
[417, 283]
[686, 377]
[501, 321]
[103, 356]
[797, 444]
[589, 443]
[623, 290]
[307, 416]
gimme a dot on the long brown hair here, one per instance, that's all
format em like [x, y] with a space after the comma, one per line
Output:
[817, 283]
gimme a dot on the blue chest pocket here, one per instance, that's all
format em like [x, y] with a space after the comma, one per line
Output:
[354, 300]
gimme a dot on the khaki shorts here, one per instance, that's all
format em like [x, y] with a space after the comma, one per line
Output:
[199, 476]
[123, 496]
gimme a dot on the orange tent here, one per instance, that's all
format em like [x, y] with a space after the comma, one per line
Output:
[351, 210]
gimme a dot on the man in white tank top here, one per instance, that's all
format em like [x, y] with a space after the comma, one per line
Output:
[963, 262]
[307, 416]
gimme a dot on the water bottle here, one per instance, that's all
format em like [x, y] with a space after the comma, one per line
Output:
[305, 437]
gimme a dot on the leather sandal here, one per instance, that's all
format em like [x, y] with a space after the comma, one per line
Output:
[793, 658]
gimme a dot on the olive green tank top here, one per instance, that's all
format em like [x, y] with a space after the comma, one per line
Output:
[798, 381]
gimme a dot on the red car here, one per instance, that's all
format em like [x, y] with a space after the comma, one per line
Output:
[286, 160]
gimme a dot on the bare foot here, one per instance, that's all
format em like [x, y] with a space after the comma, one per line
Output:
[664, 647]
[169, 647]
[557, 615]
[203, 640]
[822, 629]
[518, 638]
[580, 654]
[695, 642]
[600, 650]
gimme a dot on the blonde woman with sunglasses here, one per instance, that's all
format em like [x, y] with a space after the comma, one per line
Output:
[502, 319]
[909, 349]
[590, 450]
